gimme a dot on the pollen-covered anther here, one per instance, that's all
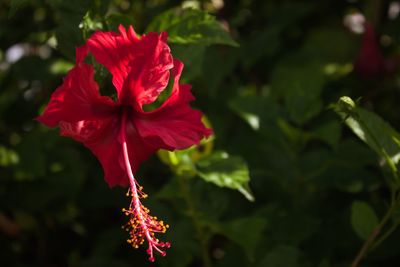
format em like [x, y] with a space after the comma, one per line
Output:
[142, 227]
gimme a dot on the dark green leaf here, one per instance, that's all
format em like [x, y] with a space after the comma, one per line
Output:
[15, 5]
[318, 45]
[246, 232]
[363, 219]
[282, 256]
[114, 20]
[256, 49]
[329, 132]
[299, 81]
[68, 33]
[256, 110]
[190, 26]
[295, 135]
[192, 56]
[228, 171]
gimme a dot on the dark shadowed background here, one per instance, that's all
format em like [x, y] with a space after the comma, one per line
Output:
[283, 183]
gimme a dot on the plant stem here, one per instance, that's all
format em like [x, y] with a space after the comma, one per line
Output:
[384, 236]
[394, 202]
[374, 234]
[369, 243]
[201, 235]
[365, 247]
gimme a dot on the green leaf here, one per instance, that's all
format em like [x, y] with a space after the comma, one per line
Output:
[190, 26]
[329, 132]
[301, 93]
[114, 20]
[297, 136]
[69, 16]
[90, 23]
[185, 245]
[108, 242]
[288, 226]
[363, 219]
[31, 167]
[372, 129]
[8, 157]
[256, 110]
[252, 226]
[192, 56]
[255, 50]
[346, 168]
[15, 5]
[232, 255]
[324, 263]
[103, 261]
[281, 256]
[318, 45]
[228, 171]
[60, 66]
[217, 66]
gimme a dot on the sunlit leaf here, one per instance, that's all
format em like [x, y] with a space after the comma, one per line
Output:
[228, 171]
[256, 110]
[191, 26]
[60, 67]
[373, 130]
[8, 157]
[90, 23]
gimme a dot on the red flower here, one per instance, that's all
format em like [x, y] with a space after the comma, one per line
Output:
[370, 62]
[120, 133]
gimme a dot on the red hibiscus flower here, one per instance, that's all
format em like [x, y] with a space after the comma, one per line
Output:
[370, 62]
[120, 133]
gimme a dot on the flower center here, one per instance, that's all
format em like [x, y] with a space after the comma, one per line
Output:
[141, 225]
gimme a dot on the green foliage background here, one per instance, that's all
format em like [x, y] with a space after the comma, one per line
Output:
[283, 183]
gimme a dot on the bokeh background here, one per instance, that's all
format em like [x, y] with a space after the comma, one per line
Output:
[283, 183]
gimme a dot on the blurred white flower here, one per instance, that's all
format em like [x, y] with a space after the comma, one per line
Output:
[355, 22]
[394, 10]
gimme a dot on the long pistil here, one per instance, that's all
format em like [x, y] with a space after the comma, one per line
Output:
[141, 224]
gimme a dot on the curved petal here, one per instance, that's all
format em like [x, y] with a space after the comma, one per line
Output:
[149, 71]
[175, 124]
[139, 150]
[77, 99]
[144, 62]
[114, 51]
[102, 138]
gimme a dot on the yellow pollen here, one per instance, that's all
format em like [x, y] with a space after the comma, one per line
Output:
[141, 225]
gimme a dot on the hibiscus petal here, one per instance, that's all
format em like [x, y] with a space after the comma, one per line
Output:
[149, 70]
[114, 51]
[139, 150]
[175, 124]
[102, 138]
[140, 67]
[77, 99]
